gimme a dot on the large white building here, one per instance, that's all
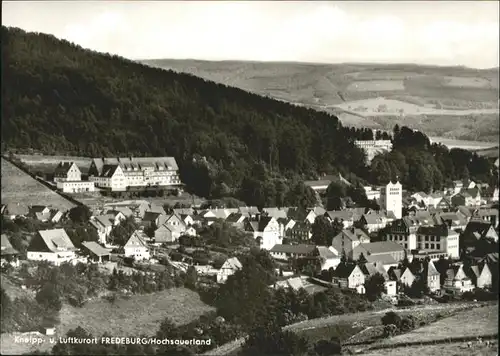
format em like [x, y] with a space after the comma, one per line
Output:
[391, 199]
[373, 147]
[117, 174]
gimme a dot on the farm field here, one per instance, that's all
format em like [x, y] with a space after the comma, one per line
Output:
[139, 314]
[382, 106]
[475, 322]
[465, 144]
[453, 349]
[19, 190]
[449, 94]
[376, 85]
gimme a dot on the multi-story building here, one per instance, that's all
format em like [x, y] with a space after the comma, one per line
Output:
[68, 179]
[438, 238]
[373, 147]
[117, 174]
[391, 199]
[403, 231]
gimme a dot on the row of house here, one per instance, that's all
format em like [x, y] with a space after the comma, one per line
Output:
[457, 279]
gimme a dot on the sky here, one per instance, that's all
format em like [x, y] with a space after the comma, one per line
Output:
[424, 32]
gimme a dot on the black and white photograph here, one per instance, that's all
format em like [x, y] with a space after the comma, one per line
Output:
[249, 178]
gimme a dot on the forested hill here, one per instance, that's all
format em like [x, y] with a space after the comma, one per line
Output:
[60, 98]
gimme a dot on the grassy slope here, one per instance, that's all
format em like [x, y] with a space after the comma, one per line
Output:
[453, 102]
[134, 316]
[20, 188]
[475, 322]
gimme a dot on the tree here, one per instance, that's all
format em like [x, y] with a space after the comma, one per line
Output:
[80, 214]
[375, 286]
[391, 318]
[322, 231]
[191, 278]
[48, 297]
[327, 348]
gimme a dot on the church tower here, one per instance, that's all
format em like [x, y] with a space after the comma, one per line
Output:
[391, 198]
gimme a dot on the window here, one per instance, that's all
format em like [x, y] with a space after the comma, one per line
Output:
[432, 238]
[426, 238]
[438, 246]
[432, 246]
[426, 246]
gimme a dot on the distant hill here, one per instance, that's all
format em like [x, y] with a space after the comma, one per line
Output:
[59, 98]
[452, 102]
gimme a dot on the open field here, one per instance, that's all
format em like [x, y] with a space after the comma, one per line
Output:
[445, 93]
[475, 322]
[382, 106]
[473, 82]
[139, 314]
[376, 85]
[467, 145]
[19, 190]
[453, 349]
[47, 164]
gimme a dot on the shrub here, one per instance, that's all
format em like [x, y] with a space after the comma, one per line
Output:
[408, 323]
[390, 330]
[391, 318]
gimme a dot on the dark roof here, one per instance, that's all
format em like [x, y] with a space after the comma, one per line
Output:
[63, 168]
[344, 270]
[108, 170]
[150, 216]
[298, 249]
[437, 230]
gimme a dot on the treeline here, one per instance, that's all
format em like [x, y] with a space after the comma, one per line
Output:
[422, 166]
[62, 99]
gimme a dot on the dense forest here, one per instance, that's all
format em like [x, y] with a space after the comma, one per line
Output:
[62, 99]
[59, 98]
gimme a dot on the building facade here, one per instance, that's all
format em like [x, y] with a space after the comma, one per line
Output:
[118, 174]
[391, 199]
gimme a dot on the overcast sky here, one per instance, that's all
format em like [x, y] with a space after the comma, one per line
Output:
[439, 32]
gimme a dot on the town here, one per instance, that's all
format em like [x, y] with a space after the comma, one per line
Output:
[289, 190]
[446, 239]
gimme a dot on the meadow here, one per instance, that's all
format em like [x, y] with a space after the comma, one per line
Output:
[21, 190]
[451, 349]
[134, 315]
[47, 164]
[474, 322]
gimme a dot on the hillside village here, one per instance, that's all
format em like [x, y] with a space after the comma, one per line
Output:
[446, 239]
[149, 203]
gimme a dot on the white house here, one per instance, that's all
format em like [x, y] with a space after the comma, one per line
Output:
[349, 275]
[136, 247]
[228, 268]
[266, 230]
[67, 171]
[53, 246]
[457, 281]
